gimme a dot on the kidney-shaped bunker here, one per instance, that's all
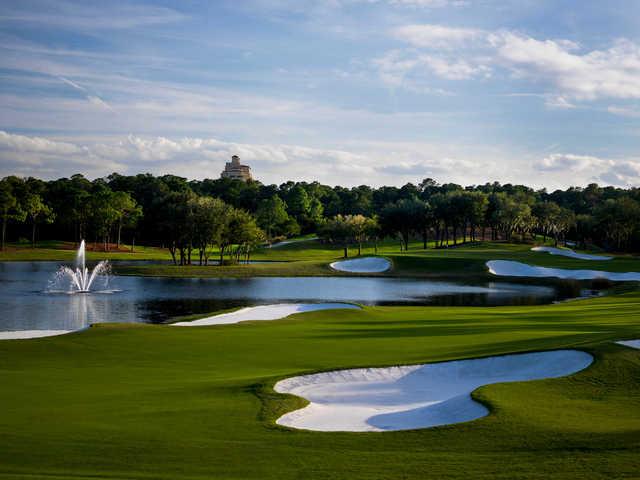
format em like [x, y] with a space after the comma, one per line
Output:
[417, 396]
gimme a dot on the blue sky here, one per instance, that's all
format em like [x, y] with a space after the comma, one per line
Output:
[346, 92]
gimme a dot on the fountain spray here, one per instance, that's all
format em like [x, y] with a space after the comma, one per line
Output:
[81, 279]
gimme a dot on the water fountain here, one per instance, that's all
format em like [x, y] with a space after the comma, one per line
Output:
[81, 279]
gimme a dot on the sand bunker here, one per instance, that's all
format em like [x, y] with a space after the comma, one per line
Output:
[419, 396]
[22, 334]
[264, 312]
[362, 265]
[508, 268]
[566, 252]
[630, 343]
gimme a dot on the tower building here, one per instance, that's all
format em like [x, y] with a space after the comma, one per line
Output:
[234, 169]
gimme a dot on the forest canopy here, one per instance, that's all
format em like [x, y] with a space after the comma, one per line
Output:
[234, 216]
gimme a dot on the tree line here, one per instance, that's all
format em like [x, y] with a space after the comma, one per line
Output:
[191, 217]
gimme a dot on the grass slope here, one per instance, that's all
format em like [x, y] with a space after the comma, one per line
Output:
[312, 258]
[142, 401]
[66, 252]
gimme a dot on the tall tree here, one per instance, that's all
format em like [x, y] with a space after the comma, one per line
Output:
[338, 230]
[544, 214]
[103, 213]
[617, 219]
[298, 202]
[239, 235]
[177, 224]
[476, 212]
[128, 212]
[272, 216]
[10, 207]
[511, 215]
[37, 212]
[399, 218]
[210, 216]
[360, 227]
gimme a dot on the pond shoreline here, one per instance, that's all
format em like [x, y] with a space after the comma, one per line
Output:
[29, 304]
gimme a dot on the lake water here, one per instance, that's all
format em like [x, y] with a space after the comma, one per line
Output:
[25, 303]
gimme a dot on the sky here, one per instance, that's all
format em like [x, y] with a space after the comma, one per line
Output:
[345, 92]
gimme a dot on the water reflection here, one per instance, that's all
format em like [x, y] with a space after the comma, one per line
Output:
[24, 304]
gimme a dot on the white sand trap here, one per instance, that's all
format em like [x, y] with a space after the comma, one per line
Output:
[567, 252]
[420, 396]
[23, 334]
[508, 268]
[264, 312]
[630, 343]
[362, 265]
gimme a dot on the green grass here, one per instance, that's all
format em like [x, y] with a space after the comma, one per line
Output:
[143, 401]
[276, 269]
[66, 251]
[198, 316]
[312, 258]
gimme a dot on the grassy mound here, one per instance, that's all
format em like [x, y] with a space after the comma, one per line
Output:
[142, 401]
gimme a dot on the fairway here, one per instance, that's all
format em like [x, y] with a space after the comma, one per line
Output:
[319, 240]
[313, 259]
[140, 401]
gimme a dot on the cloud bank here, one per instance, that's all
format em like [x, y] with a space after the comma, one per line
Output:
[376, 163]
[562, 66]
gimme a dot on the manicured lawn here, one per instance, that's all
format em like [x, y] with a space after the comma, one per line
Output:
[312, 258]
[66, 251]
[142, 401]
[275, 269]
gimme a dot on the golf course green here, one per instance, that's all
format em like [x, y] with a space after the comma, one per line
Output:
[154, 402]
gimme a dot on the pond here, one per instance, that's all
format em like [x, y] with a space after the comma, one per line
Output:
[25, 303]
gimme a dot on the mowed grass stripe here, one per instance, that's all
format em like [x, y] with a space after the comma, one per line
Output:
[142, 401]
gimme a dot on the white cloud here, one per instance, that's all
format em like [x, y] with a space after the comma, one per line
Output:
[25, 144]
[72, 84]
[559, 102]
[435, 53]
[190, 157]
[314, 6]
[38, 156]
[436, 167]
[436, 36]
[562, 66]
[587, 168]
[92, 99]
[610, 73]
[364, 163]
[430, 3]
[624, 111]
[76, 16]
[373, 163]
[98, 102]
[415, 72]
[569, 162]
[454, 69]
[624, 174]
